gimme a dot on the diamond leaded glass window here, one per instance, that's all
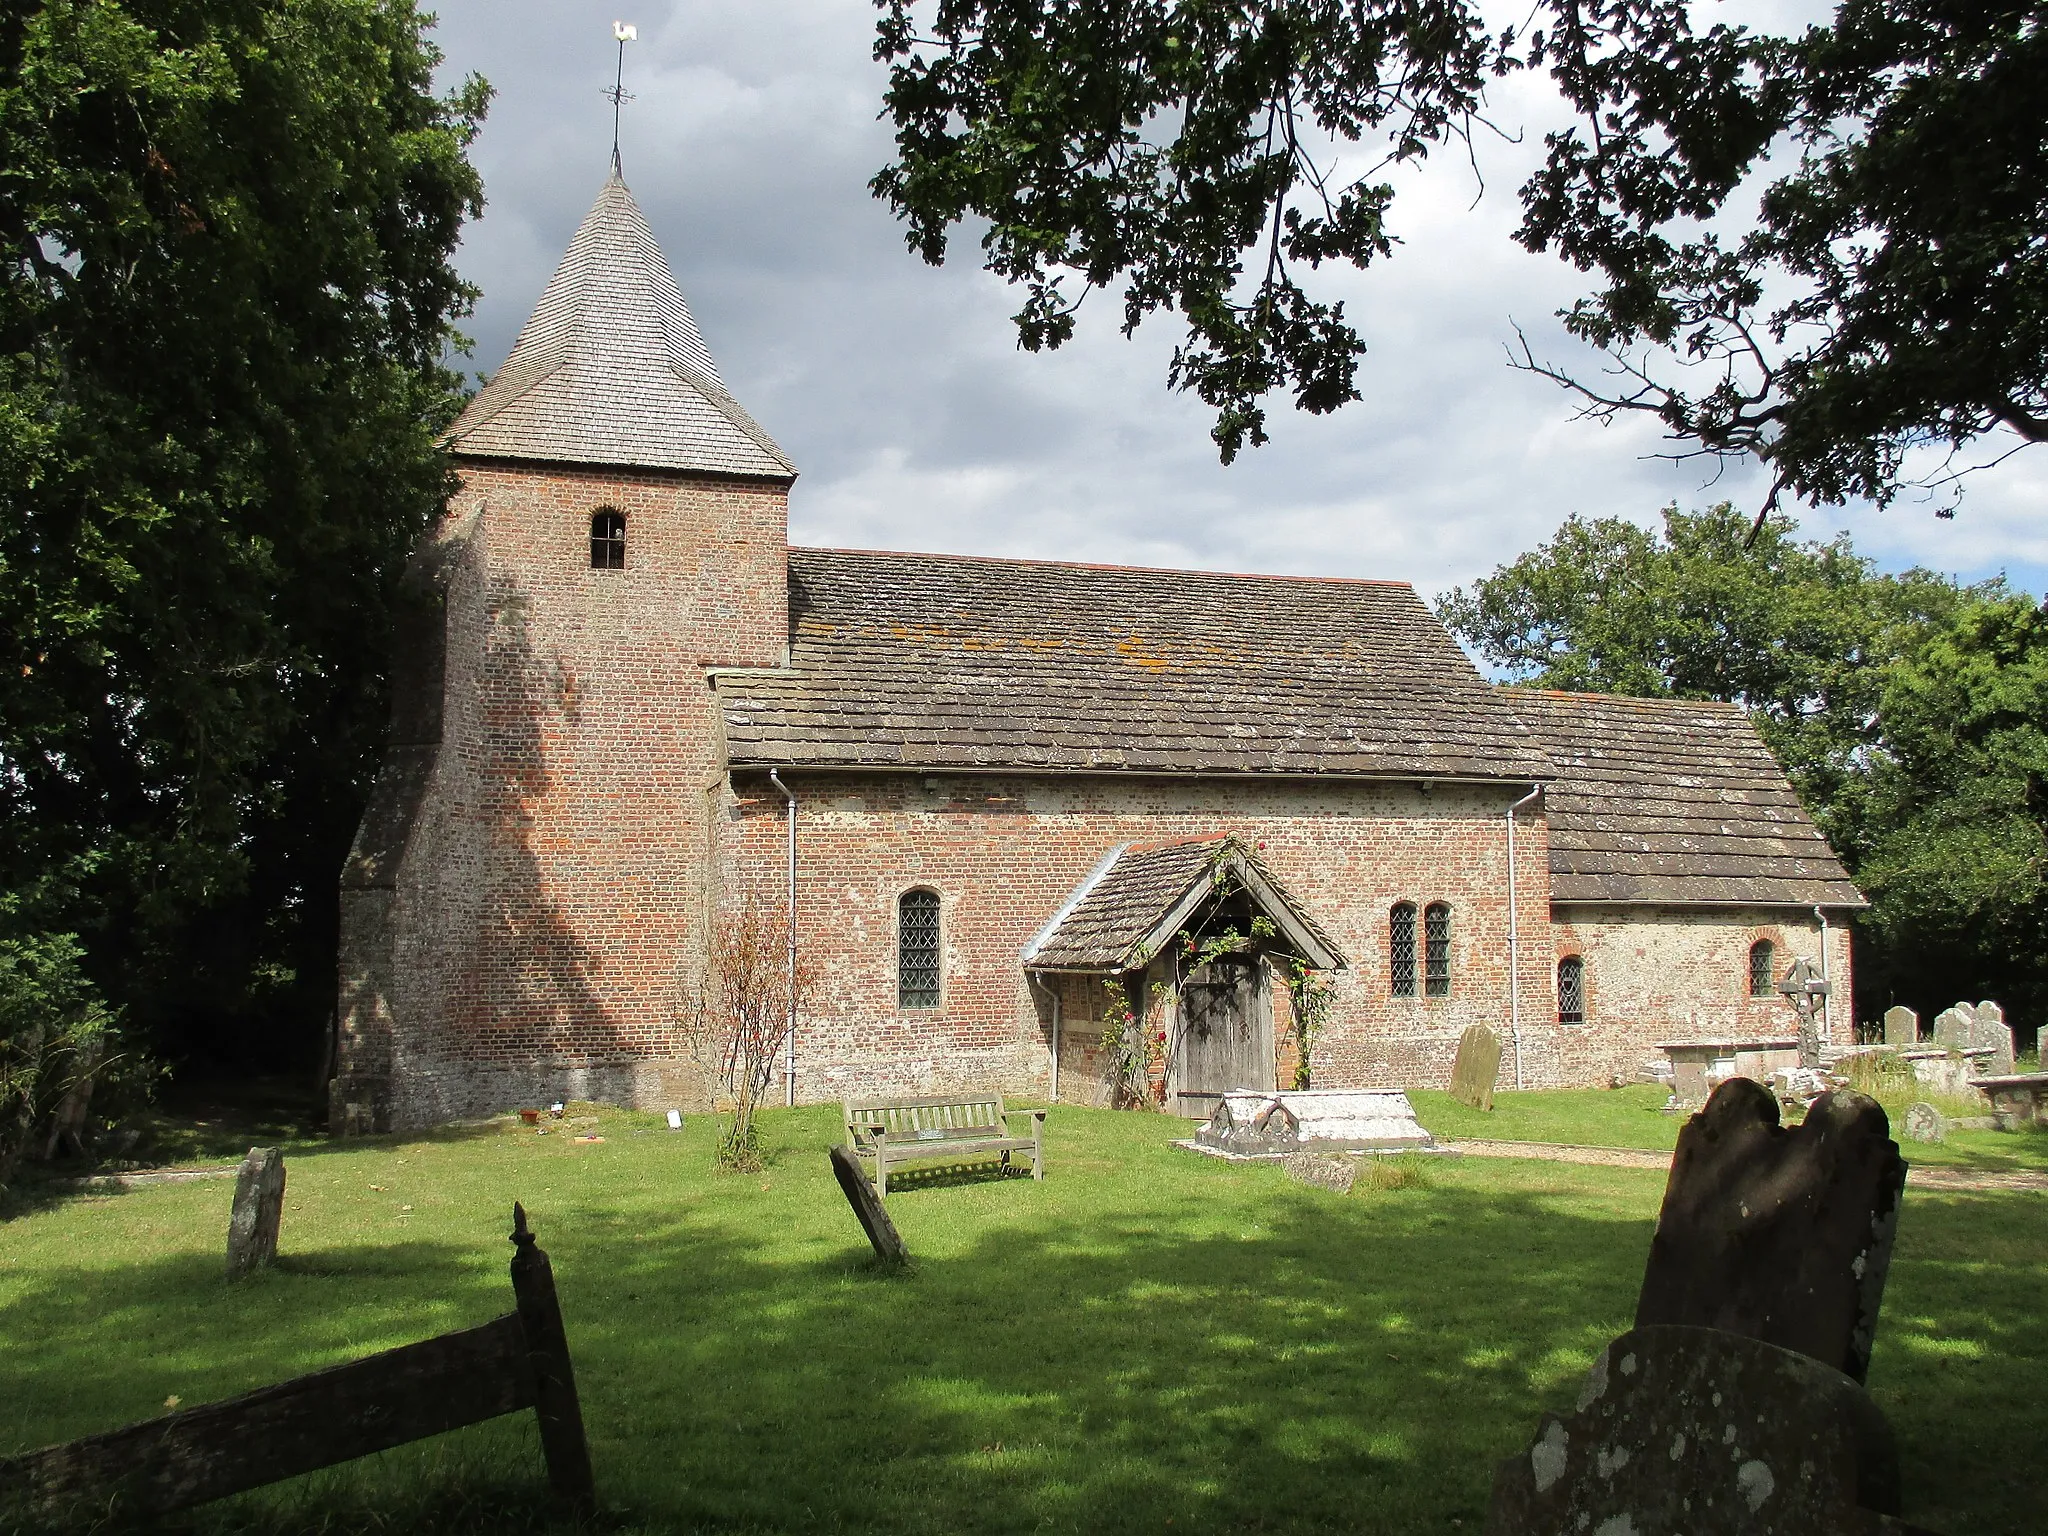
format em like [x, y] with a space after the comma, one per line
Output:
[1436, 950]
[1571, 990]
[917, 949]
[1401, 949]
[1760, 957]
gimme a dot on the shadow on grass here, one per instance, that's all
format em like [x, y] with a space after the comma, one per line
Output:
[1244, 1355]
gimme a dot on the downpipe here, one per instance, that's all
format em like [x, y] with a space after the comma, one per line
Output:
[1515, 939]
[789, 930]
[1053, 993]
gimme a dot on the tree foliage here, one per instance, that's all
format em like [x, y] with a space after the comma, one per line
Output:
[223, 307]
[1911, 714]
[1886, 291]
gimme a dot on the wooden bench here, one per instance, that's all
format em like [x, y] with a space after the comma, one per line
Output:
[893, 1132]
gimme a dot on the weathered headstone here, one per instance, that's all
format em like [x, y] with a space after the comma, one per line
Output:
[1925, 1123]
[1990, 1029]
[258, 1209]
[1477, 1068]
[860, 1193]
[1901, 1026]
[1694, 1430]
[1953, 1028]
[1780, 1235]
[1321, 1170]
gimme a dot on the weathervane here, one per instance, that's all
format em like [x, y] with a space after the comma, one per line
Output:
[618, 95]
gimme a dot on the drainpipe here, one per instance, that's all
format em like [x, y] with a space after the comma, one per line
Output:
[1827, 1002]
[1054, 994]
[1515, 939]
[789, 928]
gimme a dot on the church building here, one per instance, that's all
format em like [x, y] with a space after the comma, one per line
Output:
[1006, 802]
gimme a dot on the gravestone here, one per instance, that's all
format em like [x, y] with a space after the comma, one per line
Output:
[258, 1209]
[1477, 1069]
[1320, 1170]
[1925, 1123]
[1709, 1433]
[1901, 1026]
[1990, 1029]
[1953, 1028]
[1779, 1235]
[860, 1193]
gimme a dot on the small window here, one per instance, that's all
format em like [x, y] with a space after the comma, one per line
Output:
[607, 540]
[1760, 956]
[1436, 950]
[917, 949]
[1401, 948]
[1571, 990]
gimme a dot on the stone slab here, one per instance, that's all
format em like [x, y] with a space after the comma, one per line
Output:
[258, 1211]
[1322, 1170]
[1775, 1234]
[1694, 1430]
[1316, 1119]
[1923, 1122]
[1901, 1026]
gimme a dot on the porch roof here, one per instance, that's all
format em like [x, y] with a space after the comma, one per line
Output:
[1136, 899]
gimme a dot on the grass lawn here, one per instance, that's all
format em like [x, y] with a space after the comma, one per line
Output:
[1634, 1117]
[1148, 1340]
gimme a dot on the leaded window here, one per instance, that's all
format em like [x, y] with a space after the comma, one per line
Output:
[1571, 990]
[1761, 953]
[1401, 949]
[1436, 950]
[607, 540]
[917, 949]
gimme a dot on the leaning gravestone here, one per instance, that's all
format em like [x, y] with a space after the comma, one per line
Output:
[1779, 1235]
[1477, 1069]
[1925, 1123]
[1320, 1170]
[859, 1190]
[1901, 1027]
[258, 1209]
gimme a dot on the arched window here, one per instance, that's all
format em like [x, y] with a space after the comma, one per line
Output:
[1401, 948]
[917, 949]
[607, 540]
[1571, 990]
[1760, 956]
[1436, 950]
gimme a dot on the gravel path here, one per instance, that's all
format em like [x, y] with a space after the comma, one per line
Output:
[1920, 1177]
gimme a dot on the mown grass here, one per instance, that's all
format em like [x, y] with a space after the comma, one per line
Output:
[1635, 1117]
[1147, 1340]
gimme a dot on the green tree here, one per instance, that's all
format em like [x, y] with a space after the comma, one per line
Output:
[1180, 148]
[1956, 865]
[223, 313]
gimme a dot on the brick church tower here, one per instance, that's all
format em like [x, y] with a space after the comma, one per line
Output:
[524, 909]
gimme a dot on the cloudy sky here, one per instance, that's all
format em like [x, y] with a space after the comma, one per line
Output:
[899, 391]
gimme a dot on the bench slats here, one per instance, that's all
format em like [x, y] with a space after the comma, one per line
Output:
[937, 1127]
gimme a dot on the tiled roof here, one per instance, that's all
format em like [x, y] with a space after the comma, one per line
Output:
[610, 369]
[940, 661]
[1672, 800]
[1138, 897]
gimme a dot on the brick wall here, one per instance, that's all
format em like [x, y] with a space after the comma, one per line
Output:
[545, 918]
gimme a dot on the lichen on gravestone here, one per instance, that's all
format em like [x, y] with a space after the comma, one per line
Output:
[1321, 1170]
[1476, 1070]
[258, 1211]
[1923, 1122]
[1901, 1027]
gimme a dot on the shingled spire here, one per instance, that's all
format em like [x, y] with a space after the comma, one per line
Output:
[610, 369]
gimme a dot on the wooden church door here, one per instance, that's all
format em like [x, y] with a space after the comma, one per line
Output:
[1225, 1036]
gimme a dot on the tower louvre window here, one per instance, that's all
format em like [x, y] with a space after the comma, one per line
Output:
[1761, 953]
[1436, 950]
[1571, 990]
[917, 949]
[1401, 949]
[607, 540]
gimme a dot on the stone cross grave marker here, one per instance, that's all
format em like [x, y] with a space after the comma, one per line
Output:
[1780, 1235]
[1477, 1069]
[1901, 1027]
[258, 1208]
[1320, 1170]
